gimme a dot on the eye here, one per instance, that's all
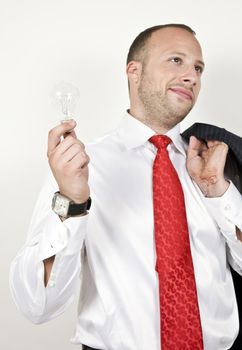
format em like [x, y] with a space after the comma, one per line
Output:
[199, 69]
[176, 60]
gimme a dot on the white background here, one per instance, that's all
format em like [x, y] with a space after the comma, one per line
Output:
[85, 43]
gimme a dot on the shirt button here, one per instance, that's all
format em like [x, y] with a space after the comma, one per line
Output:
[51, 283]
[227, 207]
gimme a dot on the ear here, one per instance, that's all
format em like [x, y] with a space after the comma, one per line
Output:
[133, 71]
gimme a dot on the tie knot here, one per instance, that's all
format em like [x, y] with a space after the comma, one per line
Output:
[160, 141]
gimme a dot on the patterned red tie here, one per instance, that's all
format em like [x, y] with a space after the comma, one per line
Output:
[179, 313]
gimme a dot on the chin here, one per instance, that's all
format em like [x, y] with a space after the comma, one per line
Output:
[181, 114]
[175, 119]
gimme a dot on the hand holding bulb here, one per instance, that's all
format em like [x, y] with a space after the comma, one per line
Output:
[67, 157]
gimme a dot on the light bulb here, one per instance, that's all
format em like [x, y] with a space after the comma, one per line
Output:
[66, 96]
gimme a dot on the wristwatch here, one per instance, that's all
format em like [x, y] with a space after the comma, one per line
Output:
[65, 207]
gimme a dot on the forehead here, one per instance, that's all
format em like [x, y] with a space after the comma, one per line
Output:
[173, 39]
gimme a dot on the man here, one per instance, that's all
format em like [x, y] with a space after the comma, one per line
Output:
[122, 300]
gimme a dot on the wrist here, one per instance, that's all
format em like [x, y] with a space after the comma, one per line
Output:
[77, 199]
[74, 199]
[66, 207]
[216, 189]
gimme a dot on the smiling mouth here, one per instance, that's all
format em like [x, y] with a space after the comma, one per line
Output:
[186, 94]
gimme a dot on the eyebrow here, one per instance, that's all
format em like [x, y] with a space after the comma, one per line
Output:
[182, 54]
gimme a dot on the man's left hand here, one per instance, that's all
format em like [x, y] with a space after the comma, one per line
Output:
[205, 165]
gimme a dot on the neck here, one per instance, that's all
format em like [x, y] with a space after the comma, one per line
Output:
[151, 123]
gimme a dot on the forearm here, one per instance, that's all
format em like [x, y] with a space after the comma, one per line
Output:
[48, 264]
[40, 301]
[226, 211]
[238, 234]
[216, 190]
[43, 286]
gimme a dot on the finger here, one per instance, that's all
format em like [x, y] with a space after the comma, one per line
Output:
[212, 143]
[71, 133]
[205, 154]
[54, 137]
[73, 151]
[68, 142]
[195, 147]
[61, 148]
[218, 154]
[79, 161]
[65, 152]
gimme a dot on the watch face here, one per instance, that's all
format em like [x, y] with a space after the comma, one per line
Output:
[61, 205]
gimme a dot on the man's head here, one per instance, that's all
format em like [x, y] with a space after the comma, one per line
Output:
[164, 67]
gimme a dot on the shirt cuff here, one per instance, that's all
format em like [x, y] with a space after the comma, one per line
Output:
[226, 211]
[66, 237]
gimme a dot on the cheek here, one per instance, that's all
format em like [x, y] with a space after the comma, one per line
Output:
[162, 76]
[197, 89]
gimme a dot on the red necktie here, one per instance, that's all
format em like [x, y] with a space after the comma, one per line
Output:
[179, 313]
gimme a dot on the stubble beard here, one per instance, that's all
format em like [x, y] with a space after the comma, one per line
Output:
[159, 110]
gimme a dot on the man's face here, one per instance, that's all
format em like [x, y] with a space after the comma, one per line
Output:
[170, 78]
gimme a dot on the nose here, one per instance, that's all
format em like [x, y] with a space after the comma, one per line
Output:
[190, 75]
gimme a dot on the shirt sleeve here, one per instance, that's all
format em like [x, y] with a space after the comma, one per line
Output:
[48, 236]
[227, 212]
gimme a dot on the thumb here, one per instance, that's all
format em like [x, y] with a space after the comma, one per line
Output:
[195, 147]
[54, 137]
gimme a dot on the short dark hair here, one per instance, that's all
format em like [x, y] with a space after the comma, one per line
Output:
[138, 49]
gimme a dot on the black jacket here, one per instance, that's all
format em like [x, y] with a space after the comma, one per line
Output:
[233, 171]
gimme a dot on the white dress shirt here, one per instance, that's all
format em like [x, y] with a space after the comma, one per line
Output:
[119, 297]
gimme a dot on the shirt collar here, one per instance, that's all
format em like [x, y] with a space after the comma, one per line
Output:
[134, 133]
